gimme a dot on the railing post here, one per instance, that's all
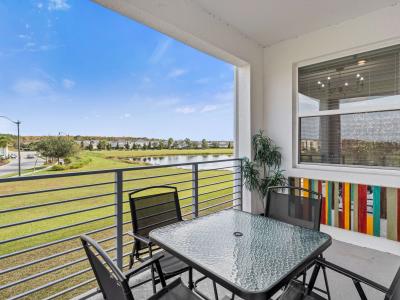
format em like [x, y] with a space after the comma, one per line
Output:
[119, 215]
[195, 190]
[238, 190]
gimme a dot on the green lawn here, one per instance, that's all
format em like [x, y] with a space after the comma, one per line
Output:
[98, 160]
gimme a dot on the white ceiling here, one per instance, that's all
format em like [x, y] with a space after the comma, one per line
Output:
[271, 21]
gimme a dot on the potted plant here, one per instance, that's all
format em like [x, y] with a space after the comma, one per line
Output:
[264, 170]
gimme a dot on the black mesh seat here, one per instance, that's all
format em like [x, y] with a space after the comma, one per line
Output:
[296, 206]
[151, 208]
[285, 203]
[296, 291]
[114, 284]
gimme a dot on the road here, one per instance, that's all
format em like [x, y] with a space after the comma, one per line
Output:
[26, 163]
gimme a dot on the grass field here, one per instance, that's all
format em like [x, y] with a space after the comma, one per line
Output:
[98, 160]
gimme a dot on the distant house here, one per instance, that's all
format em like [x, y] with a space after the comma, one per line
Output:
[4, 151]
[141, 143]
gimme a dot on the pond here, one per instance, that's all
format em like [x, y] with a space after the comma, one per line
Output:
[180, 159]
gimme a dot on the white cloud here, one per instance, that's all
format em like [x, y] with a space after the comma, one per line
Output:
[160, 50]
[31, 87]
[209, 108]
[185, 110]
[176, 73]
[68, 83]
[40, 5]
[58, 5]
[24, 36]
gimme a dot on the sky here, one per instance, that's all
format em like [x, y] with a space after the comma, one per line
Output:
[77, 68]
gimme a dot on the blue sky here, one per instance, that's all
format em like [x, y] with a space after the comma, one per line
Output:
[78, 68]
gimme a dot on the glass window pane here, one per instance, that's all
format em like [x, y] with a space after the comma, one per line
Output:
[353, 82]
[364, 139]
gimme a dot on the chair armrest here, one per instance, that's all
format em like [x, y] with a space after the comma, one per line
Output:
[352, 275]
[140, 238]
[153, 261]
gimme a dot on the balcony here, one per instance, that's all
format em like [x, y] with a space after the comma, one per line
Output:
[43, 216]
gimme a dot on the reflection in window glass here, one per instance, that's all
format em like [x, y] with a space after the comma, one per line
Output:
[349, 110]
[364, 139]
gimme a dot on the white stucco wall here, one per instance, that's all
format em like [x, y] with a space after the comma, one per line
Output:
[375, 30]
[186, 21]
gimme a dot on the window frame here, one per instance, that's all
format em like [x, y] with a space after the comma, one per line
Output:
[382, 170]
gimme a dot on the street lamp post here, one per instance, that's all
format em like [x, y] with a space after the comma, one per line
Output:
[18, 123]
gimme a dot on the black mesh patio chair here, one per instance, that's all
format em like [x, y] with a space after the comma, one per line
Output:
[286, 204]
[154, 207]
[297, 291]
[114, 284]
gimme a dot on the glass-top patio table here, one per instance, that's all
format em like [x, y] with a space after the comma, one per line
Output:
[250, 255]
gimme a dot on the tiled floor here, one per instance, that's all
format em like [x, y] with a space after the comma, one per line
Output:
[377, 266]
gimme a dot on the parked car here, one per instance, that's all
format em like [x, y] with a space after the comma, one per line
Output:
[2, 157]
[30, 156]
[13, 155]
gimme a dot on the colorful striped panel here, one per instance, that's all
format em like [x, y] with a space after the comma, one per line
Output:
[372, 210]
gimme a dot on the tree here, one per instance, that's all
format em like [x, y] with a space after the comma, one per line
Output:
[188, 143]
[229, 145]
[204, 144]
[149, 146]
[144, 147]
[215, 145]
[4, 141]
[108, 146]
[82, 145]
[127, 146]
[117, 146]
[264, 171]
[134, 146]
[102, 145]
[90, 147]
[170, 143]
[57, 147]
[175, 145]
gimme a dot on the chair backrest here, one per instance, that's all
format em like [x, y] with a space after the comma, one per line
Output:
[286, 204]
[394, 290]
[112, 282]
[153, 207]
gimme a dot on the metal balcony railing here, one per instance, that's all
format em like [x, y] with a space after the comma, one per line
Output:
[41, 218]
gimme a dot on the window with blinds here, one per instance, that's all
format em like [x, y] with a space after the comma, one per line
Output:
[349, 110]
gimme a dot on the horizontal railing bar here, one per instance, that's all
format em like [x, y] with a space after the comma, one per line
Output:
[54, 229]
[219, 168]
[219, 197]
[151, 206]
[57, 202]
[71, 289]
[168, 183]
[48, 271]
[55, 216]
[5, 271]
[53, 243]
[233, 206]
[212, 206]
[188, 205]
[214, 191]
[219, 182]
[54, 190]
[158, 176]
[24, 294]
[83, 173]
[214, 176]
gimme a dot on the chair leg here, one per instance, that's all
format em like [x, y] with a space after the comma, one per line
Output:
[131, 261]
[326, 283]
[190, 284]
[215, 290]
[153, 280]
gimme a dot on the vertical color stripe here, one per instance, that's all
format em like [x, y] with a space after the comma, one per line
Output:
[391, 214]
[354, 189]
[329, 201]
[323, 204]
[377, 210]
[336, 203]
[398, 214]
[370, 228]
[346, 204]
[306, 185]
[362, 208]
